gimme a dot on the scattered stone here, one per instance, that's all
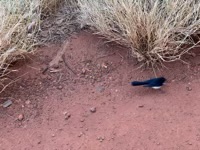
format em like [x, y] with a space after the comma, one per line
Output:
[188, 88]
[60, 87]
[67, 115]
[20, 117]
[101, 139]
[7, 103]
[158, 143]
[141, 106]
[28, 102]
[104, 66]
[189, 143]
[83, 71]
[93, 109]
[80, 134]
[53, 135]
[82, 120]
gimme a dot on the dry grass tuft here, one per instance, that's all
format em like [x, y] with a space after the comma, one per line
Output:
[154, 30]
[50, 6]
[20, 22]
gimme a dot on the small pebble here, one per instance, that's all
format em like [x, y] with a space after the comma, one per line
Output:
[53, 135]
[83, 71]
[82, 120]
[141, 106]
[101, 139]
[188, 88]
[60, 87]
[93, 109]
[7, 103]
[158, 143]
[103, 65]
[20, 117]
[80, 134]
[67, 115]
[28, 102]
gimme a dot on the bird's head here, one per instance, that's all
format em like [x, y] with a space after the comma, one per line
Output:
[163, 79]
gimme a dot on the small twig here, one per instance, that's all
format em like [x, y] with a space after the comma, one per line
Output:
[33, 67]
[60, 77]
[63, 57]
[122, 57]
[45, 69]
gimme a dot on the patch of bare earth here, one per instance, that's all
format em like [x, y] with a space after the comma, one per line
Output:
[80, 98]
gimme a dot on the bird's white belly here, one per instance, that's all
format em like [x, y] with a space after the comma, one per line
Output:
[156, 87]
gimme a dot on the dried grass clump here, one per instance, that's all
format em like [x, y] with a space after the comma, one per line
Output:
[50, 6]
[154, 30]
[17, 16]
[20, 21]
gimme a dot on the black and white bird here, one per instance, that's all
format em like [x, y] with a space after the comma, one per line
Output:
[155, 83]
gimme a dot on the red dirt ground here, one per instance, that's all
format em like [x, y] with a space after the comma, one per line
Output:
[56, 105]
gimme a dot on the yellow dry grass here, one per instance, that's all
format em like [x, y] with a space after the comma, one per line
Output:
[155, 31]
[20, 22]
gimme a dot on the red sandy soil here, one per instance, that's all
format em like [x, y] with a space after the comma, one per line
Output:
[56, 104]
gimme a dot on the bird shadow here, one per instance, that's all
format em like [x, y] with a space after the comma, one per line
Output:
[146, 91]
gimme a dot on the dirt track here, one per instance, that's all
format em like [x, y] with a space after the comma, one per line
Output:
[58, 106]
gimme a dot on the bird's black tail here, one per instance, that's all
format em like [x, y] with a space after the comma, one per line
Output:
[137, 83]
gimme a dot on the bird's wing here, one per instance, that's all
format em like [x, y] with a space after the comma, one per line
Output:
[137, 83]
